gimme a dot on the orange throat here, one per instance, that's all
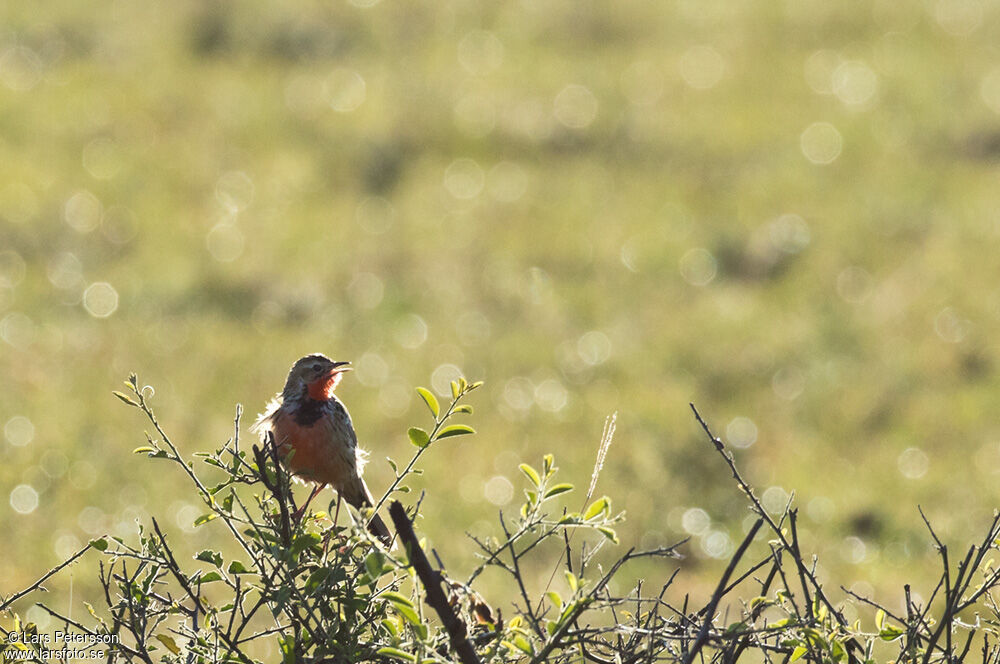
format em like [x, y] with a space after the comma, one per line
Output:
[322, 389]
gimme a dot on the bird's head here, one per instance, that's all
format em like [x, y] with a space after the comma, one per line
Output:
[316, 376]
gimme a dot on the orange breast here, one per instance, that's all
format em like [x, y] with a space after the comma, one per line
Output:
[321, 452]
[311, 447]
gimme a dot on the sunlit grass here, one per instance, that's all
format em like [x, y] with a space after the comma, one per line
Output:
[613, 246]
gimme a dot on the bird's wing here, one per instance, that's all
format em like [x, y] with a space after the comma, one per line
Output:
[266, 419]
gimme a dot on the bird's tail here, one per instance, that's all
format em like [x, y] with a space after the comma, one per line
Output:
[359, 496]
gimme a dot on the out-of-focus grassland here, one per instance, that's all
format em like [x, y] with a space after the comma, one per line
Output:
[784, 212]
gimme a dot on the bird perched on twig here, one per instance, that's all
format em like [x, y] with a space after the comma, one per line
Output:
[315, 437]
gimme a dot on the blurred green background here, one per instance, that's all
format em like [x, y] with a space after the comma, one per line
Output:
[785, 212]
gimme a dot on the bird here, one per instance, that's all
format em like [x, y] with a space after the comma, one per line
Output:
[315, 436]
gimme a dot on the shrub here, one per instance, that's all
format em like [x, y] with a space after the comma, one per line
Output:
[312, 591]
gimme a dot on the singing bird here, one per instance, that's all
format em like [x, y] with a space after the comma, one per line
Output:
[308, 418]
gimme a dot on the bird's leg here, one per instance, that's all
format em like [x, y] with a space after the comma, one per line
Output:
[297, 516]
[336, 514]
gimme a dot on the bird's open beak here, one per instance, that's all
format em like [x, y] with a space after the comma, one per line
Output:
[339, 367]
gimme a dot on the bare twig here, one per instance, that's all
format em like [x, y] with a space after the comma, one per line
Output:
[436, 599]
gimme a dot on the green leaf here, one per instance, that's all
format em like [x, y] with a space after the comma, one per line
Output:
[430, 400]
[408, 613]
[236, 567]
[464, 408]
[736, 628]
[597, 507]
[316, 578]
[418, 436]
[455, 430]
[210, 556]
[144, 448]
[303, 542]
[555, 599]
[797, 653]
[522, 644]
[557, 489]
[374, 564]
[169, 642]
[100, 544]
[880, 618]
[548, 463]
[890, 633]
[571, 581]
[456, 391]
[396, 653]
[397, 598]
[125, 398]
[609, 533]
[531, 473]
[205, 518]
[208, 578]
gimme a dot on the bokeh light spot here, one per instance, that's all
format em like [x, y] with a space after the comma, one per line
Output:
[854, 284]
[17, 330]
[345, 90]
[464, 178]
[83, 211]
[741, 432]
[717, 544]
[820, 509]
[853, 550]
[475, 114]
[65, 545]
[225, 242]
[12, 268]
[696, 521]
[24, 499]
[819, 69]
[789, 233]
[913, 463]
[821, 143]
[702, 67]
[19, 431]
[958, 17]
[65, 271]
[100, 299]
[20, 68]
[371, 370]
[950, 326]
[480, 52]
[442, 376]
[698, 267]
[498, 490]
[575, 106]
[788, 383]
[235, 190]
[774, 499]
[411, 331]
[365, 290]
[551, 395]
[854, 83]
[102, 158]
[989, 89]
[594, 347]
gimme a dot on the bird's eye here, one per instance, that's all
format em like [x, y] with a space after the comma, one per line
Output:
[316, 367]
